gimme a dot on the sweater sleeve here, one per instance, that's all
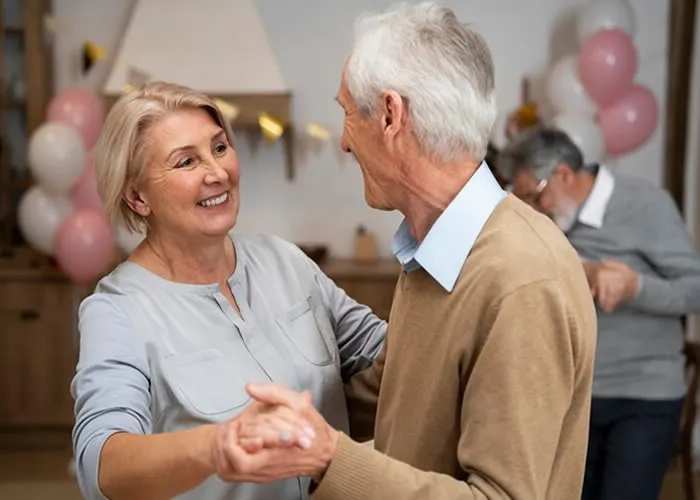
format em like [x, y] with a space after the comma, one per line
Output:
[674, 289]
[512, 414]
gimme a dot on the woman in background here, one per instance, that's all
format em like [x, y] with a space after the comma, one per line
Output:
[171, 336]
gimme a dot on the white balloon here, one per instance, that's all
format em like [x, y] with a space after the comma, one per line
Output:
[599, 15]
[585, 133]
[565, 90]
[56, 156]
[40, 215]
[128, 241]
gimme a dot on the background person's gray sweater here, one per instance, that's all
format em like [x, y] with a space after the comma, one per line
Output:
[639, 350]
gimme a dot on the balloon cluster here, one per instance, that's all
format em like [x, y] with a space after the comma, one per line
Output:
[593, 92]
[61, 215]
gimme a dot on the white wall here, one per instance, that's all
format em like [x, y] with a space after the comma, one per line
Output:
[311, 40]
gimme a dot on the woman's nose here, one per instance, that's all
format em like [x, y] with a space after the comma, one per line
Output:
[215, 172]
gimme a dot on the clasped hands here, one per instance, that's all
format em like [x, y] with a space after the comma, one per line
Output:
[612, 283]
[280, 435]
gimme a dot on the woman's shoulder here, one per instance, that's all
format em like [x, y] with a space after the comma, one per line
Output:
[123, 279]
[106, 300]
[118, 294]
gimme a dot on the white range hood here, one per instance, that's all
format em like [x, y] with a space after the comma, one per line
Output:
[218, 47]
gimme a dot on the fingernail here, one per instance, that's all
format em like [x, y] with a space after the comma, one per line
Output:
[305, 443]
[285, 436]
[309, 432]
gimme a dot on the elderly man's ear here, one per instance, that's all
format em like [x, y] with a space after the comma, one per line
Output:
[394, 112]
[564, 173]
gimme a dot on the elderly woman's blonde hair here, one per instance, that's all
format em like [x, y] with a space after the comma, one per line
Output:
[122, 152]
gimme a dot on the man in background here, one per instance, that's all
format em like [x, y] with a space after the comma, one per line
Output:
[645, 276]
[483, 390]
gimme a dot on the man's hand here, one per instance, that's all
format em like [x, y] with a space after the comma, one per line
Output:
[612, 283]
[591, 270]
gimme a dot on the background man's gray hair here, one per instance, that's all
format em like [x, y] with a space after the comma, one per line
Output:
[442, 67]
[538, 151]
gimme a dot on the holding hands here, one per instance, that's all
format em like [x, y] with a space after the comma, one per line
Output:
[280, 435]
[612, 283]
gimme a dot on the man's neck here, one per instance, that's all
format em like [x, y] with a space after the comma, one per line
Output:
[210, 260]
[430, 188]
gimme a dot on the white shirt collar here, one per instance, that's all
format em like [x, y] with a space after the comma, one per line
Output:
[449, 241]
[593, 210]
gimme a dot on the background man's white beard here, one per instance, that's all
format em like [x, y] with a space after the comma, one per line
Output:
[565, 220]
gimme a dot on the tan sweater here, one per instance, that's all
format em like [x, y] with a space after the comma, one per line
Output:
[485, 391]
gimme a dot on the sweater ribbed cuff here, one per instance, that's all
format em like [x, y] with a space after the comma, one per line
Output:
[349, 475]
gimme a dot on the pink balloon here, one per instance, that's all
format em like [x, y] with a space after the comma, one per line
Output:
[630, 121]
[84, 246]
[607, 64]
[85, 190]
[80, 109]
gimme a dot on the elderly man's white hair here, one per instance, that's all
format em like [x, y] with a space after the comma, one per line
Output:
[441, 66]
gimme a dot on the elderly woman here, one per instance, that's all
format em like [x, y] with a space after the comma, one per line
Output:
[170, 337]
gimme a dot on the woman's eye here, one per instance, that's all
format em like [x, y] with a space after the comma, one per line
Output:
[185, 162]
[221, 148]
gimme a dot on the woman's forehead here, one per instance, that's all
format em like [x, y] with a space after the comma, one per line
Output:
[184, 127]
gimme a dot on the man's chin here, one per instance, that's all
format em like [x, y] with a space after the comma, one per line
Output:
[376, 203]
[564, 221]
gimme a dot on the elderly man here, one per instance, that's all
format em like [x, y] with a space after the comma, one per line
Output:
[483, 390]
[645, 275]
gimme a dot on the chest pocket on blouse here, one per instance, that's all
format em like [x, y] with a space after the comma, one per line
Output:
[207, 381]
[307, 334]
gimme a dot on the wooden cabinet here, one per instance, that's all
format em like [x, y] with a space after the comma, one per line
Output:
[37, 352]
[369, 284]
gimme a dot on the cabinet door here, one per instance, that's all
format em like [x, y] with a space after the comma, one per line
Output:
[37, 353]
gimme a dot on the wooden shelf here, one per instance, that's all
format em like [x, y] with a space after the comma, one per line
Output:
[14, 29]
[351, 269]
[26, 263]
[21, 183]
[12, 103]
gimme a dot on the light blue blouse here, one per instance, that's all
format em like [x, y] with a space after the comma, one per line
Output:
[159, 356]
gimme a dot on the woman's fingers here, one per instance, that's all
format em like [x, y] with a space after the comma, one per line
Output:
[251, 445]
[273, 430]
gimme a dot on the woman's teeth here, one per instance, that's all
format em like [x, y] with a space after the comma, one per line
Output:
[211, 202]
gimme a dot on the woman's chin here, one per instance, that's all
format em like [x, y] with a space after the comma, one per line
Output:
[218, 228]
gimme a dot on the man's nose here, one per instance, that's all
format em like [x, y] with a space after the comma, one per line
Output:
[344, 145]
